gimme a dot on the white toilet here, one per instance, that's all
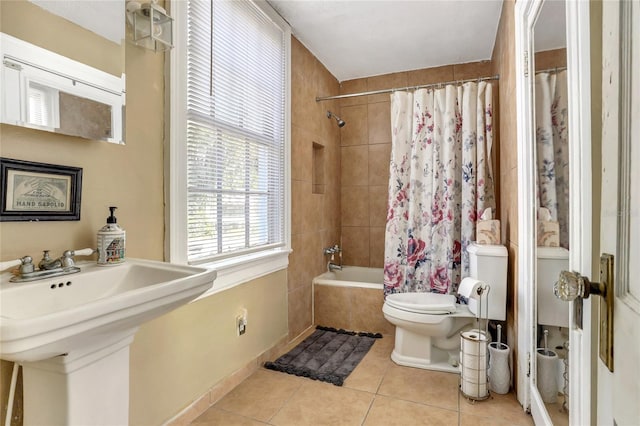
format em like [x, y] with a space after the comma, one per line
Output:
[551, 310]
[428, 325]
[553, 313]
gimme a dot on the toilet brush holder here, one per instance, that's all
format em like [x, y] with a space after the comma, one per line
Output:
[499, 372]
[547, 364]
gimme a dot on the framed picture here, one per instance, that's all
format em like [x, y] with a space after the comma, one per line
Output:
[39, 191]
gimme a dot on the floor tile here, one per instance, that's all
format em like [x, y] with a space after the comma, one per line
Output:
[378, 392]
[559, 416]
[383, 347]
[318, 403]
[387, 411]
[471, 420]
[214, 416]
[368, 375]
[261, 395]
[424, 386]
[504, 407]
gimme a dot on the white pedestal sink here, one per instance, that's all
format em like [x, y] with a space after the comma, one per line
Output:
[71, 334]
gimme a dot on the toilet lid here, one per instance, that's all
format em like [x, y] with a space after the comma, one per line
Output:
[423, 303]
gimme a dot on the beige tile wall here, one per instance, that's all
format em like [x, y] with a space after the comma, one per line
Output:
[315, 217]
[351, 308]
[365, 152]
[550, 59]
[503, 61]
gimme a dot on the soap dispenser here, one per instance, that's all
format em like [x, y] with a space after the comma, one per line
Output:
[111, 242]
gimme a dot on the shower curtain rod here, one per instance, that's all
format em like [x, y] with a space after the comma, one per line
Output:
[422, 86]
[556, 69]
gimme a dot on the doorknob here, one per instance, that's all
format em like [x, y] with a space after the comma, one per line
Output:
[573, 287]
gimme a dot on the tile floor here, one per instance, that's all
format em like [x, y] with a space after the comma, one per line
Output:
[378, 392]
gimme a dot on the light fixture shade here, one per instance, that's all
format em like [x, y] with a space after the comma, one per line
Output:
[152, 28]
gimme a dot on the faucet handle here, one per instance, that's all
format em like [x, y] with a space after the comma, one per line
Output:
[332, 250]
[67, 257]
[25, 263]
[83, 252]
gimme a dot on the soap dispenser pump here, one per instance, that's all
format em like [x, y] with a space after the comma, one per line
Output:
[111, 242]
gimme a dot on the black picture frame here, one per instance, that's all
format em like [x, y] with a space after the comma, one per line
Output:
[38, 191]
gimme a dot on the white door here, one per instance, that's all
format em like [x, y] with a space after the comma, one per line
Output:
[618, 392]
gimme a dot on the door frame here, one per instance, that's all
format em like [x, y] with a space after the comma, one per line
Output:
[580, 206]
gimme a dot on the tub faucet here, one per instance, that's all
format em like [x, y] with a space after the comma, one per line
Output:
[333, 251]
[333, 267]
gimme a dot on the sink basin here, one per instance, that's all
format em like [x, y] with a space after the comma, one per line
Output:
[53, 316]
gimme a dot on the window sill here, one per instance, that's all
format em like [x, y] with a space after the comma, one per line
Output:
[239, 270]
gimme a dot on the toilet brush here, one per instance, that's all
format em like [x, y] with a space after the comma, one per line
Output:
[499, 372]
[547, 361]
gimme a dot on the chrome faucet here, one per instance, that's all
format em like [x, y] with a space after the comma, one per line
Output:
[333, 267]
[333, 251]
[47, 263]
[47, 267]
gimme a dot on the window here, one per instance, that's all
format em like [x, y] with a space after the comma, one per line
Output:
[229, 150]
[42, 107]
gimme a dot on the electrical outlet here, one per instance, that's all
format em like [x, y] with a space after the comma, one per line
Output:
[241, 322]
[241, 325]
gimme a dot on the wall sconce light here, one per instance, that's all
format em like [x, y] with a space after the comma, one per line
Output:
[151, 27]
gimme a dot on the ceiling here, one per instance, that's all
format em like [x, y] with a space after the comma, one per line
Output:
[362, 38]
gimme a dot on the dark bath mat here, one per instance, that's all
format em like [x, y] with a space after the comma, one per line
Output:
[328, 354]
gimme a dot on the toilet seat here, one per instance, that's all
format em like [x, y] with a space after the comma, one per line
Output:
[423, 303]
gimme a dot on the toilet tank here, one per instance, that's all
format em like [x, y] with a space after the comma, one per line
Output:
[551, 310]
[488, 263]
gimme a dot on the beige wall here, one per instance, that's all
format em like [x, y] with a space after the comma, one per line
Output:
[365, 152]
[548, 59]
[315, 216]
[177, 357]
[503, 60]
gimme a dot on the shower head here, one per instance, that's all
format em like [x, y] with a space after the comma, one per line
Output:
[341, 122]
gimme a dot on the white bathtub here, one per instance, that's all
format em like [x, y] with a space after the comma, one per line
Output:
[353, 276]
[351, 299]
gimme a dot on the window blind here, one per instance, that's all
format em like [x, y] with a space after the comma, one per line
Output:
[235, 130]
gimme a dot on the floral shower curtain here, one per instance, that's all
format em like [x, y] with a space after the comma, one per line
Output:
[440, 182]
[553, 149]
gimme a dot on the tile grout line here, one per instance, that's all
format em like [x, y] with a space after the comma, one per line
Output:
[286, 401]
[224, 410]
[364, 419]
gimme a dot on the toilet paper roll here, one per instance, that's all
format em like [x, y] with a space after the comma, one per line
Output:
[473, 342]
[468, 359]
[475, 374]
[547, 363]
[474, 390]
[469, 287]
